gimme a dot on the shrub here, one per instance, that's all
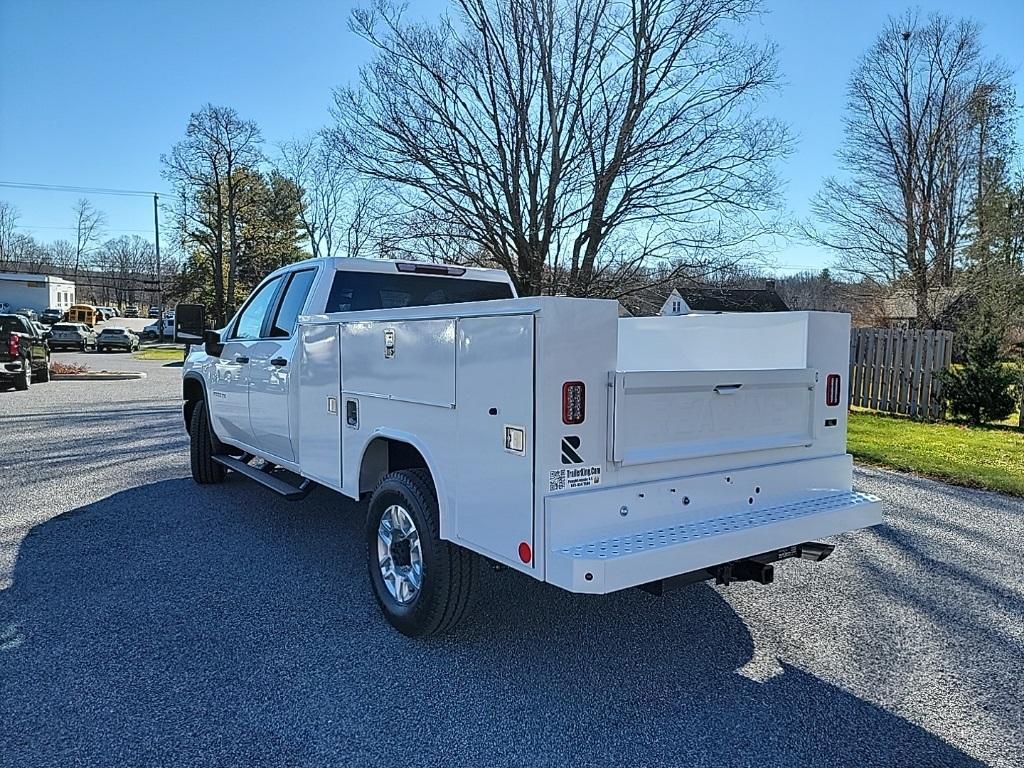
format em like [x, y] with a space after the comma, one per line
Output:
[982, 389]
[68, 368]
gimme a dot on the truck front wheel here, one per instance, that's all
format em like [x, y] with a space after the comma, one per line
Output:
[422, 583]
[201, 448]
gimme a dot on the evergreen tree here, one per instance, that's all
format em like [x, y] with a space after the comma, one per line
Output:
[981, 390]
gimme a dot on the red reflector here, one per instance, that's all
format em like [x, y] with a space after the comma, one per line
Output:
[574, 402]
[833, 389]
[525, 553]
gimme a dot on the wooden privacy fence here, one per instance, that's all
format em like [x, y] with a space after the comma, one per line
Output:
[897, 371]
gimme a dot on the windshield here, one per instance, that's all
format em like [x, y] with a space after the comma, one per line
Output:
[354, 291]
[65, 327]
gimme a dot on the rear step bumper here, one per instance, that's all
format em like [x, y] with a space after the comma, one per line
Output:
[614, 563]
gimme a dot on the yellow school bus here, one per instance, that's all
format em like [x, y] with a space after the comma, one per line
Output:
[83, 313]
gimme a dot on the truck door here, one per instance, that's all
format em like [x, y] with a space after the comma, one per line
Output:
[229, 396]
[271, 363]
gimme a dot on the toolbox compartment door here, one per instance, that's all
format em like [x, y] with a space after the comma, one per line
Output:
[672, 415]
[496, 437]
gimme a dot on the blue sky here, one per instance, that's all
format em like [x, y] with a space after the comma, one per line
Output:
[93, 91]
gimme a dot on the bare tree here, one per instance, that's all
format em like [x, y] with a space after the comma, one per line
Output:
[568, 140]
[123, 261]
[9, 216]
[339, 211]
[915, 105]
[89, 222]
[62, 257]
[208, 170]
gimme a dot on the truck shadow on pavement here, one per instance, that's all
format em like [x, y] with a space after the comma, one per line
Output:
[169, 624]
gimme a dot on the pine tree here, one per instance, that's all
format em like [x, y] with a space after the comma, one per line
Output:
[982, 389]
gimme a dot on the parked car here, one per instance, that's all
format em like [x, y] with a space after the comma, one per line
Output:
[154, 312]
[51, 315]
[41, 329]
[131, 311]
[5, 308]
[29, 313]
[72, 336]
[24, 357]
[153, 330]
[117, 338]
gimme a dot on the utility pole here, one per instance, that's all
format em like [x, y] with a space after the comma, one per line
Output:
[159, 282]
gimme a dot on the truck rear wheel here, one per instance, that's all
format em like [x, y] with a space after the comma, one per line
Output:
[23, 380]
[202, 443]
[44, 372]
[422, 583]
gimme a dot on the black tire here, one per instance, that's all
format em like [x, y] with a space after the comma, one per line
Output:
[203, 444]
[44, 372]
[81, 348]
[449, 571]
[23, 380]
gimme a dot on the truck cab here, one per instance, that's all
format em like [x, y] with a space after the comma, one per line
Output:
[250, 383]
[545, 434]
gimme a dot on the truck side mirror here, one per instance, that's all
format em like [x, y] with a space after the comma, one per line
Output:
[212, 343]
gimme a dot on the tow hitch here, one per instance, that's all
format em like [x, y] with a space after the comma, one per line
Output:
[758, 568]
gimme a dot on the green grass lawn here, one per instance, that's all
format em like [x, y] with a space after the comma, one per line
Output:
[979, 457]
[161, 353]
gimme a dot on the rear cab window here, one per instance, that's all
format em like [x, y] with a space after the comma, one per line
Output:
[357, 291]
[9, 324]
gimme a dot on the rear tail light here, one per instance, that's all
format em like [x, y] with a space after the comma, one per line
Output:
[833, 389]
[574, 402]
[14, 345]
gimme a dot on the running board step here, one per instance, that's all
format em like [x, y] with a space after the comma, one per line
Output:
[265, 478]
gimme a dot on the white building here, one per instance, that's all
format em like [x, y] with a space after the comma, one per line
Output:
[39, 292]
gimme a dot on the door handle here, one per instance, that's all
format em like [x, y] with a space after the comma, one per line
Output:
[727, 389]
[279, 361]
[241, 359]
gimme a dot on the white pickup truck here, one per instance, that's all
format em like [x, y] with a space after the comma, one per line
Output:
[545, 434]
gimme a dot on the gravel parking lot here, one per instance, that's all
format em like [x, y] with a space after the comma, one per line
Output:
[147, 621]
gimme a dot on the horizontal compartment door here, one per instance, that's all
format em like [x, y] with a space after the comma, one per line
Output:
[672, 415]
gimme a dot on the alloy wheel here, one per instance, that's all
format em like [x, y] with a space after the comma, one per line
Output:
[399, 554]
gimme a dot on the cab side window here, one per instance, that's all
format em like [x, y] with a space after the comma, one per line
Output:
[292, 303]
[250, 322]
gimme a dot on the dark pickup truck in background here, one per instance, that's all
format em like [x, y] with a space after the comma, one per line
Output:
[24, 355]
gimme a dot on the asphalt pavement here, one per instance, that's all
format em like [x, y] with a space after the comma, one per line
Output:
[145, 620]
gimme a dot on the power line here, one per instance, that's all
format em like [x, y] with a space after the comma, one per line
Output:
[105, 229]
[80, 190]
